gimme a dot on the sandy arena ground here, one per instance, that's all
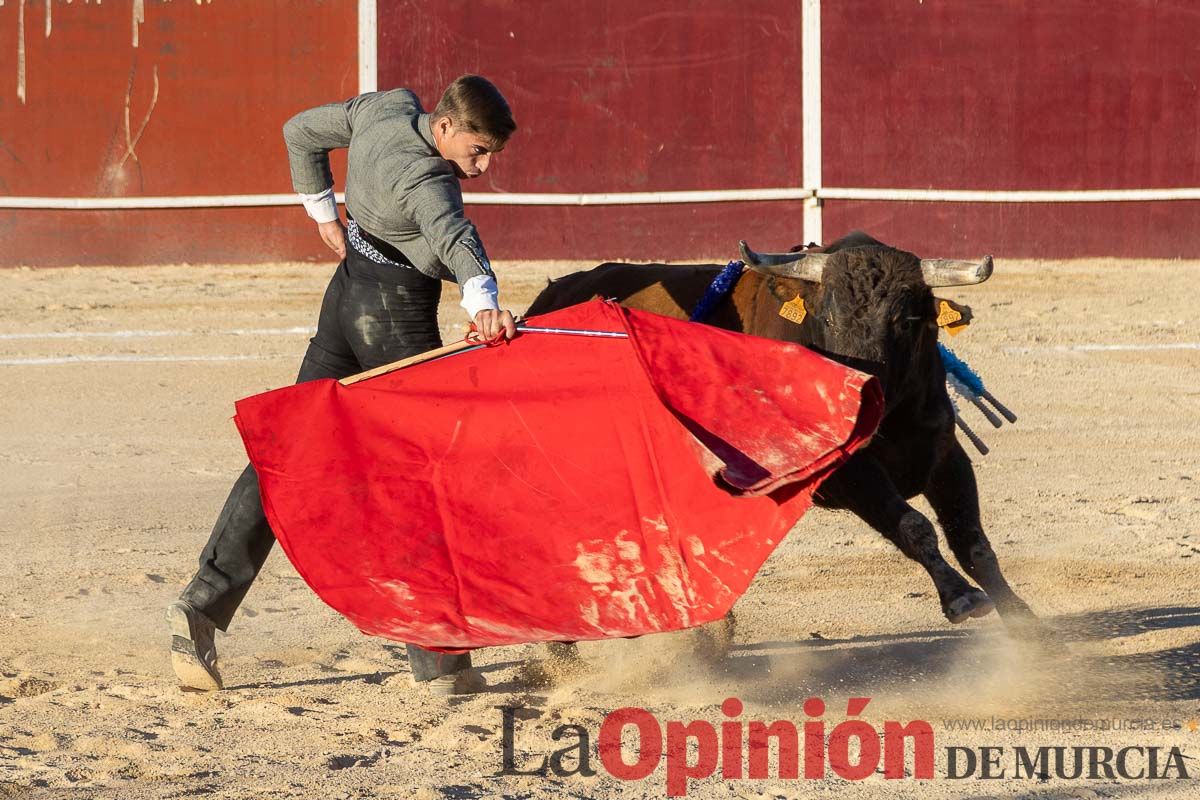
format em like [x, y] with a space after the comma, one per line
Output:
[115, 465]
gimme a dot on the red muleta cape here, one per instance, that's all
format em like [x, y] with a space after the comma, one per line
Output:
[557, 487]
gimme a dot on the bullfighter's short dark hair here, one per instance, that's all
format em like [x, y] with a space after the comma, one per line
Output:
[475, 104]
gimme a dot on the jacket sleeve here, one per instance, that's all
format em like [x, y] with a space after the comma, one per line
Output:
[311, 134]
[433, 199]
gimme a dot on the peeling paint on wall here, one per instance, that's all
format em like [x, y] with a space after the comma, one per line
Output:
[115, 179]
[132, 141]
[138, 19]
[21, 51]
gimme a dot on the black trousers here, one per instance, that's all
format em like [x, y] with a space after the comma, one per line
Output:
[372, 314]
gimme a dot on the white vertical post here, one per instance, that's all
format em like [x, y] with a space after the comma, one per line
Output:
[368, 72]
[810, 44]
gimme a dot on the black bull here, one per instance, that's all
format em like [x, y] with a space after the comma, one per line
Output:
[871, 307]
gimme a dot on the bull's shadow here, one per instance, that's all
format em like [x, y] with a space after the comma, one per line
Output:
[775, 671]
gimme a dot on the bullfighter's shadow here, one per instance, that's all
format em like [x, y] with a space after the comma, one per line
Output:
[1063, 671]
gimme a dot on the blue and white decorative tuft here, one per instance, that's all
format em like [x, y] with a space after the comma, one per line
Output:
[717, 291]
[960, 369]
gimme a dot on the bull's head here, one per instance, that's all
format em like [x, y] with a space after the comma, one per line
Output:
[871, 306]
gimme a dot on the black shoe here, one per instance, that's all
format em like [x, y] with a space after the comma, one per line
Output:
[193, 651]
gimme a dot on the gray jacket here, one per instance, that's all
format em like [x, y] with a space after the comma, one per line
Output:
[398, 187]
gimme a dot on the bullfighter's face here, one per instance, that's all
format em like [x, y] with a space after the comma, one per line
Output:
[469, 153]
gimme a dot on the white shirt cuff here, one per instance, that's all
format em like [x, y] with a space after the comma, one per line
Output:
[322, 206]
[479, 293]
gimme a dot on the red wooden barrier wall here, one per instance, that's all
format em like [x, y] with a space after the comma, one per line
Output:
[1014, 94]
[229, 74]
[619, 96]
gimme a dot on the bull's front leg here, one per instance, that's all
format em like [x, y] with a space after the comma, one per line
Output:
[863, 486]
[954, 496]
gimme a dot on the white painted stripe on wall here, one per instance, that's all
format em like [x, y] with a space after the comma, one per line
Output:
[637, 198]
[1010, 196]
[481, 198]
[120, 203]
[368, 46]
[640, 198]
[810, 47]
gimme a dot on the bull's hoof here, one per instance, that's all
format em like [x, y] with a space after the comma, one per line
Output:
[973, 603]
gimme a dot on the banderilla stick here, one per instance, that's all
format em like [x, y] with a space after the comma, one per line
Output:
[965, 391]
[987, 412]
[1008, 415]
[970, 434]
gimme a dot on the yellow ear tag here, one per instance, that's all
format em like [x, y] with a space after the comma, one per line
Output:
[793, 310]
[950, 318]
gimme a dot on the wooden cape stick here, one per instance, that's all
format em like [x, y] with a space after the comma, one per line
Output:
[429, 355]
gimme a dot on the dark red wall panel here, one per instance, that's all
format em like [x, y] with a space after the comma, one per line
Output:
[169, 236]
[1028, 230]
[704, 231]
[1011, 94]
[229, 74]
[1015, 94]
[618, 96]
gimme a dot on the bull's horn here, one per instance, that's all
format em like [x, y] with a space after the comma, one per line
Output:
[945, 272]
[805, 266]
